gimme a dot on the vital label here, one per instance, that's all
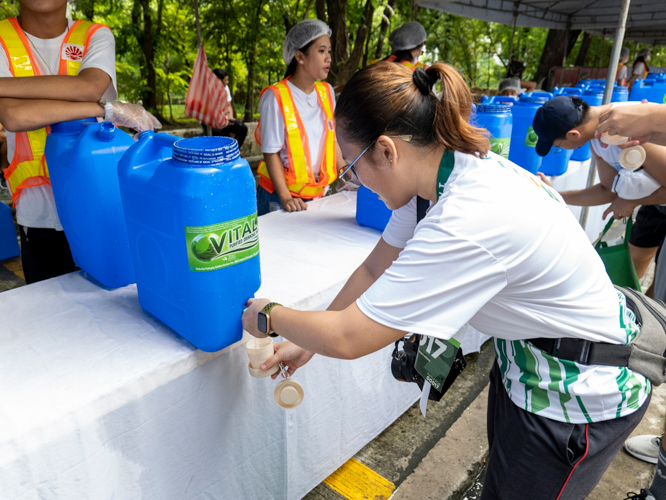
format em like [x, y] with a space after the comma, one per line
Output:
[500, 146]
[222, 245]
[531, 138]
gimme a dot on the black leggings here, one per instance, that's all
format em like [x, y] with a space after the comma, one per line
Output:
[44, 254]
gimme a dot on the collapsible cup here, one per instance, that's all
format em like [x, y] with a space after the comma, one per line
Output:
[288, 394]
[259, 351]
[613, 140]
[632, 158]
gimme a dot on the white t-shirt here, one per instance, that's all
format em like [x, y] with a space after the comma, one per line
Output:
[36, 206]
[226, 87]
[639, 70]
[502, 251]
[621, 73]
[273, 128]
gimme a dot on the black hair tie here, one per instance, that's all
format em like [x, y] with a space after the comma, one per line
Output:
[423, 81]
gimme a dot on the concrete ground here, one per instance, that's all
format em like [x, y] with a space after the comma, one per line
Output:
[441, 459]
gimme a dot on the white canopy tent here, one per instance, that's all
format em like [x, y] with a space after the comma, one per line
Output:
[646, 19]
[643, 21]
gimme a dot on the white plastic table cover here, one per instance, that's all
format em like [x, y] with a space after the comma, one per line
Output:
[99, 400]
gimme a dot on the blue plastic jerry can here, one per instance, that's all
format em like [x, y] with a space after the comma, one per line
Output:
[9, 247]
[82, 157]
[191, 212]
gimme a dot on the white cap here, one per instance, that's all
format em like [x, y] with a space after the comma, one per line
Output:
[300, 35]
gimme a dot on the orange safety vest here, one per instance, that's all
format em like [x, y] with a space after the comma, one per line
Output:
[28, 167]
[404, 62]
[301, 180]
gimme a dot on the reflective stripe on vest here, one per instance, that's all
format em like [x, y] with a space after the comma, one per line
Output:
[28, 167]
[403, 62]
[299, 175]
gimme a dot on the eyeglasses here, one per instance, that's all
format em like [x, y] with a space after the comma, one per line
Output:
[345, 168]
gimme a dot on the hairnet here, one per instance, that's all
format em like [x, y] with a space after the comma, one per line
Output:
[624, 52]
[643, 52]
[408, 36]
[510, 83]
[300, 35]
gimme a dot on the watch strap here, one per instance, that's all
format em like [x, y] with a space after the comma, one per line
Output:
[267, 311]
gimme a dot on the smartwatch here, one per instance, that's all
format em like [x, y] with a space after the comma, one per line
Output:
[264, 320]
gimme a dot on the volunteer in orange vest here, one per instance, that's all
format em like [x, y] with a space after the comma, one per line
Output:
[407, 43]
[640, 68]
[297, 127]
[621, 75]
[52, 69]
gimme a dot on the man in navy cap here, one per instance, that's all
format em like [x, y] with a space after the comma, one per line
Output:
[569, 122]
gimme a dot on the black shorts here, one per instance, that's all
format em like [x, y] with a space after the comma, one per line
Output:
[650, 227]
[533, 457]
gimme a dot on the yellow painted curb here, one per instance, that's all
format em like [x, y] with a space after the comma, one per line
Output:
[356, 481]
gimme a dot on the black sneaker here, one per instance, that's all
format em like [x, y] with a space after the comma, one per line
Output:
[643, 495]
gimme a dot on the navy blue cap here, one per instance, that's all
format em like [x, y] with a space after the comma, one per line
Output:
[553, 120]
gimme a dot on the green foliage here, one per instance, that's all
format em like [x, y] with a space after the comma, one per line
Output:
[245, 38]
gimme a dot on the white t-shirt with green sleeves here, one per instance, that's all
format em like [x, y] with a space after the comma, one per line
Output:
[501, 251]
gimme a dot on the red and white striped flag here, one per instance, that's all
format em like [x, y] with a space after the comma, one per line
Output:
[206, 98]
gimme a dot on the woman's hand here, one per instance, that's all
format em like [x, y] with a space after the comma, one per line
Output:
[635, 122]
[290, 204]
[251, 314]
[620, 208]
[290, 355]
[544, 179]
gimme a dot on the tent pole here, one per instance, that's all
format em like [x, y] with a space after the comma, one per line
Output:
[610, 83]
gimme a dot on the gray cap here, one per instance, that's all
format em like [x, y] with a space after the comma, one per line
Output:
[624, 52]
[300, 35]
[510, 83]
[643, 52]
[408, 36]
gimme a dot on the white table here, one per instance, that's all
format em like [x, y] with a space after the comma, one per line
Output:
[102, 401]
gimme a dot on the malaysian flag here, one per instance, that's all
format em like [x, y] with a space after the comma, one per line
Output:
[206, 98]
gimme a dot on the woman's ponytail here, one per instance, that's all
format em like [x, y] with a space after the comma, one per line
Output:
[451, 126]
[388, 98]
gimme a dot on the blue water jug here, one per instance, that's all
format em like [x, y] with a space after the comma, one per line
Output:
[573, 91]
[652, 90]
[509, 100]
[620, 94]
[370, 210]
[585, 83]
[191, 212]
[497, 119]
[9, 247]
[656, 76]
[593, 95]
[556, 161]
[523, 137]
[83, 156]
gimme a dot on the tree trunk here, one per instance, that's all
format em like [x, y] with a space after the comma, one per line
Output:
[553, 51]
[148, 51]
[320, 6]
[251, 62]
[383, 28]
[344, 64]
[585, 45]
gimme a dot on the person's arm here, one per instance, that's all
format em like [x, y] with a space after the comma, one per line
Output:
[379, 260]
[641, 123]
[276, 172]
[599, 194]
[621, 208]
[655, 162]
[88, 86]
[22, 115]
[528, 85]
